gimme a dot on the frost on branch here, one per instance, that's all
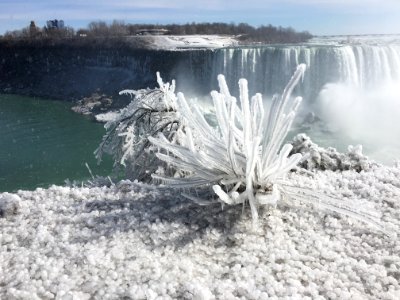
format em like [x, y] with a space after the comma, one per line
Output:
[150, 112]
[242, 159]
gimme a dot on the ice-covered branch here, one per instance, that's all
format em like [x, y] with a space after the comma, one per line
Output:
[242, 159]
[149, 113]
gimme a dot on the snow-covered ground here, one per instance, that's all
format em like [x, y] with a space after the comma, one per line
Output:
[174, 42]
[135, 241]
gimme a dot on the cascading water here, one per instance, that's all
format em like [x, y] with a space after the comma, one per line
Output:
[353, 87]
[364, 105]
[268, 67]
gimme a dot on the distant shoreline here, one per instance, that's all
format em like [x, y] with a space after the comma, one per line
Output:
[144, 42]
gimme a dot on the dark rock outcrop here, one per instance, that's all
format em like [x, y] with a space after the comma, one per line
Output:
[318, 158]
[73, 73]
[94, 104]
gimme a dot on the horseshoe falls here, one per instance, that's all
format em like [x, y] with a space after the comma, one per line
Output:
[352, 89]
[267, 68]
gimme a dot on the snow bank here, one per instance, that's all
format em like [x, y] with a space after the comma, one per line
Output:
[106, 117]
[175, 42]
[140, 242]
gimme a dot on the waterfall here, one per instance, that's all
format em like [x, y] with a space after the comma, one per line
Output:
[268, 68]
[353, 88]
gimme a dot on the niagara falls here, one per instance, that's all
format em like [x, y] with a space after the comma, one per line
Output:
[199, 149]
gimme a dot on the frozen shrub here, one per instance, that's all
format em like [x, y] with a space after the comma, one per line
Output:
[240, 159]
[149, 113]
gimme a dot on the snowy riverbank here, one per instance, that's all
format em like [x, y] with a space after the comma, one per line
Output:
[179, 42]
[140, 242]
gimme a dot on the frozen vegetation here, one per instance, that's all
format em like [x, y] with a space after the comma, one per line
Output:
[237, 159]
[136, 240]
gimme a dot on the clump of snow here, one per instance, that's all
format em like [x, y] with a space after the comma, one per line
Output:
[107, 117]
[9, 204]
[319, 158]
[136, 241]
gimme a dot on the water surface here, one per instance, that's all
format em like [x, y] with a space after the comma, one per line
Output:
[43, 142]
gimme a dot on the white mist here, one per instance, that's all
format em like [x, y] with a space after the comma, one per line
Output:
[369, 116]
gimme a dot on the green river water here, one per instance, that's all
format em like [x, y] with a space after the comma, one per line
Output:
[43, 142]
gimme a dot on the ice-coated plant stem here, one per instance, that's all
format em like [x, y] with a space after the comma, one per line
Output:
[243, 159]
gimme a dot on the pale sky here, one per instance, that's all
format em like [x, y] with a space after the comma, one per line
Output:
[320, 17]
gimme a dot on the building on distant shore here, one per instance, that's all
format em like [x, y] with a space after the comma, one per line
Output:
[82, 32]
[55, 24]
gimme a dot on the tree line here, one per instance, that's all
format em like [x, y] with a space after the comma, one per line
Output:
[100, 29]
